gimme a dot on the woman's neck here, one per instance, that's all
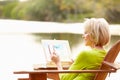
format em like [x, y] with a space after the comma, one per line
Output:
[99, 47]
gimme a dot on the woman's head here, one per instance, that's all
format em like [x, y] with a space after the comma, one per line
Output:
[97, 30]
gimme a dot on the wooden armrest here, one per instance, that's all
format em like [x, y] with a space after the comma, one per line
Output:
[64, 71]
[112, 65]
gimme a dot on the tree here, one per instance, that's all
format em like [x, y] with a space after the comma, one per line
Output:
[44, 10]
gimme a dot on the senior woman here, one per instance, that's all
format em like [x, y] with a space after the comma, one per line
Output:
[96, 35]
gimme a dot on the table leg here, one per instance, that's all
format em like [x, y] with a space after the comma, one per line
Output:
[38, 76]
[54, 76]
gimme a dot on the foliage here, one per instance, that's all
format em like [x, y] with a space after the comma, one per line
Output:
[7, 10]
[7, 7]
[113, 12]
[62, 10]
[19, 11]
[1, 8]
[44, 10]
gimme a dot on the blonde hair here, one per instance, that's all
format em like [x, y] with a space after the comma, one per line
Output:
[98, 28]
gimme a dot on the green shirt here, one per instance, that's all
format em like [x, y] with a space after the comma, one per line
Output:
[89, 59]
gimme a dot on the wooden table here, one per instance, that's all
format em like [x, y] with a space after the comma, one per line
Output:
[41, 73]
[35, 74]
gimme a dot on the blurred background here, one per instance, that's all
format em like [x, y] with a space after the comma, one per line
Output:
[60, 10]
[24, 23]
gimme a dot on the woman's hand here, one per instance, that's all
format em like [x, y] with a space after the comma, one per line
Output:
[55, 58]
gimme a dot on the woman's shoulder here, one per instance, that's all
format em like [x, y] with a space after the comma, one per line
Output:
[90, 52]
